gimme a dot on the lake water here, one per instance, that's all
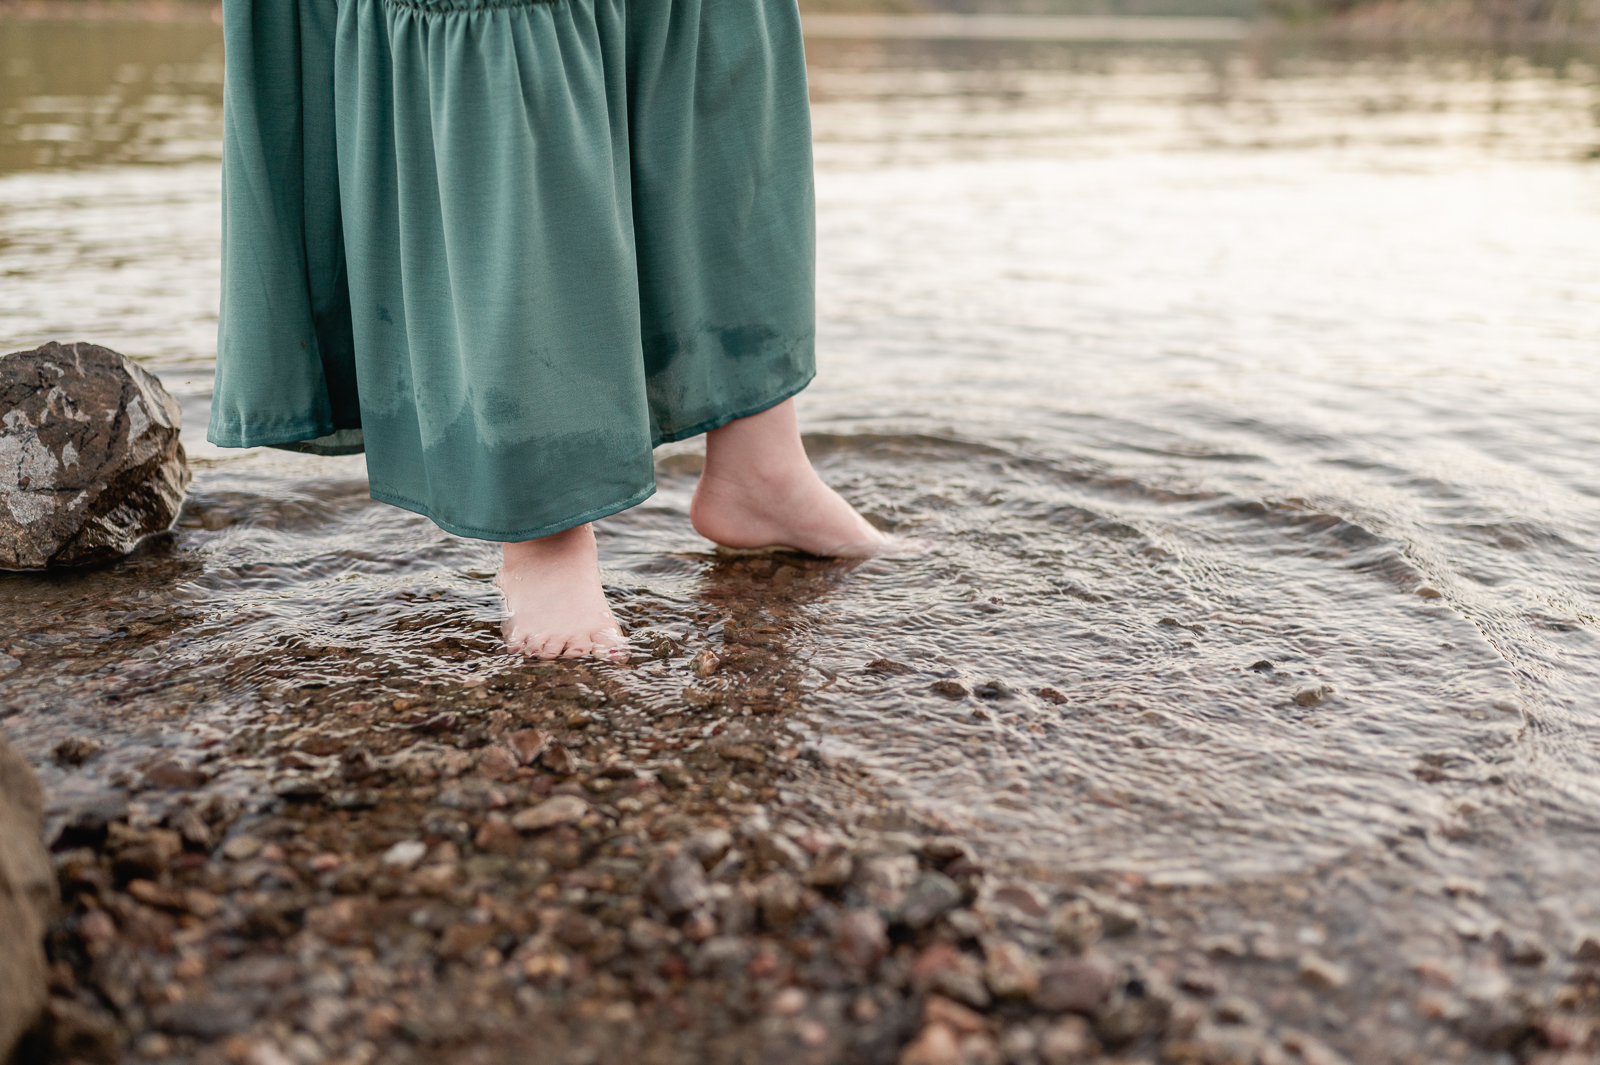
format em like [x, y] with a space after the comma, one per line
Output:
[1247, 392]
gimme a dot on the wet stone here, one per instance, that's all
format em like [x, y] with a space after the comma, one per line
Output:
[861, 939]
[90, 462]
[1010, 970]
[883, 879]
[931, 895]
[1320, 974]
[678, 884]
[173, 775]
[560, 810]
[1068, 1041]
[76, 750]
[1076, 985]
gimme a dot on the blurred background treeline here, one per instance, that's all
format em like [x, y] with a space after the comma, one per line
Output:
[1527, 19]
[1404, 18]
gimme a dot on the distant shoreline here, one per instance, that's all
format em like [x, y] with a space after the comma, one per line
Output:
[1455, 21]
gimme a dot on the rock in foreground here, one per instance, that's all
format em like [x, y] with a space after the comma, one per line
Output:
[90, 462]
[27, 893]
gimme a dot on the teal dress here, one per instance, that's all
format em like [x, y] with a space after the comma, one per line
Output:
[506, 247]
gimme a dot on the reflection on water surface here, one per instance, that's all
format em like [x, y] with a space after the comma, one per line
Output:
[1247, 391]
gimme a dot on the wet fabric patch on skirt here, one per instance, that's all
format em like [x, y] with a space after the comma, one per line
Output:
[508, 248]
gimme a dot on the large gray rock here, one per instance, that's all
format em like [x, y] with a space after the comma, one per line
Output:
[27, 898]
[90, 462]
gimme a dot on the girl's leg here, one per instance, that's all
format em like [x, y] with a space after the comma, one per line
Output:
[555, 607]
[759, 490]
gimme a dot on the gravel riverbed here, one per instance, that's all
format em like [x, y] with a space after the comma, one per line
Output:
[557, 863]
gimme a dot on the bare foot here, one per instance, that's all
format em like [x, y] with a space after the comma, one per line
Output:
[555, 607]
[759, 490]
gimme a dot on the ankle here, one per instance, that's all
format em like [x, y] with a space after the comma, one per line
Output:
[569, 544]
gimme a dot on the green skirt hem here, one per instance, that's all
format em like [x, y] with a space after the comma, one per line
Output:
[723, 419]
[472, 533]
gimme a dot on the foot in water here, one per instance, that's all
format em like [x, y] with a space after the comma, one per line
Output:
[759, 490]
[555, 606]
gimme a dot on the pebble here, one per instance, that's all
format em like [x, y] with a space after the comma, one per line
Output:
[1076, 925]
[1076, 985]
[774, 850]
[883, 879]
[1311, 695]
[934, 1045]
[559, 760]
[931, 895]
[789, 1001]
[832, 868]
[780, 900]
[704, 663]
[527, 744]
[1224, 946]
[1067, 1042]
[860, 940]
[1020, 1044]
[405, 854]
[241, 848]
[1310, 1050]
[1320, 974]
[943, 968]
[170, 775]
[708, 846]
[953, 1015]
[560, 810]
[1009, 970]
[1022, 899]
[1117, 917]
[1587, 947]
[74, 750]
[677, 883]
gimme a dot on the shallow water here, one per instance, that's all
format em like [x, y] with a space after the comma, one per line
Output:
[1247, 393]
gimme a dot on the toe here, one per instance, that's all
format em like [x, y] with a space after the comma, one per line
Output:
[546, 647]
[610, 644]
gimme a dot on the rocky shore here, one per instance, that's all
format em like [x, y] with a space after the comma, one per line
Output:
[658, 863]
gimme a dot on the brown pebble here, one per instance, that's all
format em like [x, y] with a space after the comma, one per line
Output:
[240, 848]
[704, 663]
[949, 689]
[953, 1015]
[527, 744]
[1320, 974]
[861, 939]
[76, 750]
[1075, 985]
[832, 867]
[559, 760]
[1052, 696]
[1009, 970]
[677, 883]
[497, 837]
[1067, 1042]
[936, 1045]
[560, 810]
[170, 775]
[498, 763]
